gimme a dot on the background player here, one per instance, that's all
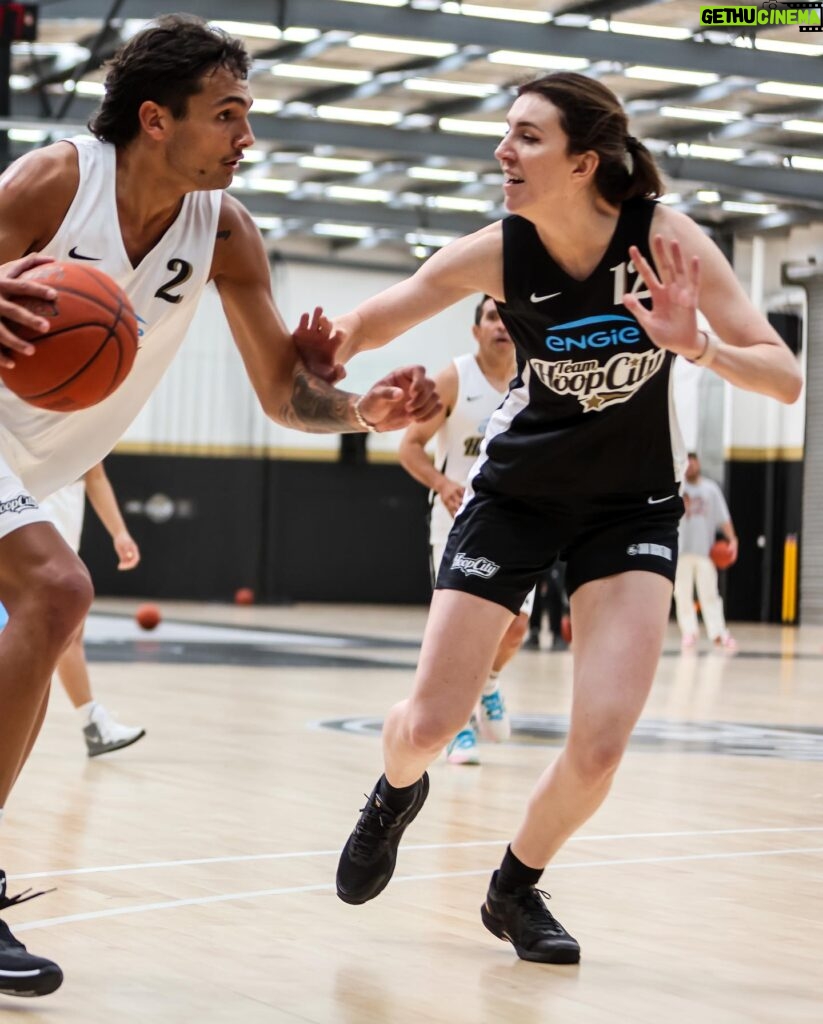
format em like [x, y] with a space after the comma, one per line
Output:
[144, 201]
[470, 389]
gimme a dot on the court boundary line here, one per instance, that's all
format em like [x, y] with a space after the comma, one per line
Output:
[199, 901]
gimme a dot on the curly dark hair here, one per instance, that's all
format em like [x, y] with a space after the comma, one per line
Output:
[591, 116]
[165, 63]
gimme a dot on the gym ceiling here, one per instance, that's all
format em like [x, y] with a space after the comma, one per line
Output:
[375, 122]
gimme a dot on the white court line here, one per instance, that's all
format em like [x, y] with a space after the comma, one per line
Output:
[200, 901]
[302, 854]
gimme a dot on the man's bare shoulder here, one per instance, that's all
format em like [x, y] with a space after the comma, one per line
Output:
[38, 189]
[238, 247]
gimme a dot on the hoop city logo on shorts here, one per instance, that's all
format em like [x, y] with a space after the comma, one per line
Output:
[658, 550]
[478, 566]
[19, 503]
[807, 16]
[597, 385]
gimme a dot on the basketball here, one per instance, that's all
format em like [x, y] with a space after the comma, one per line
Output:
[566, 628]
[89, 348]
[245, 595]
[148, 616]
[721, 554]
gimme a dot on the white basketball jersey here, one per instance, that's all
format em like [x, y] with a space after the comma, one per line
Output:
[48, 450]
[457, 443]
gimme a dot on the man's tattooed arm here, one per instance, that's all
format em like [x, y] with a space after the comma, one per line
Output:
[318, 407]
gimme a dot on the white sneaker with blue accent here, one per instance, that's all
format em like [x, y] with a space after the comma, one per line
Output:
[492, 718]
[463, 749]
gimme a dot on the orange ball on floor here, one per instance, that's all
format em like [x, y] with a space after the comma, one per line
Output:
[148, 616]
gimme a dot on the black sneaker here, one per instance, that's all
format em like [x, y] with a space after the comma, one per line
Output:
[523, 919]
[368, 858]
[21, 973]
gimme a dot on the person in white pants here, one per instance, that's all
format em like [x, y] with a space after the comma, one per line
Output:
[707, 514]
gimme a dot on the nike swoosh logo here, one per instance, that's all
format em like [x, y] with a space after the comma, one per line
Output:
[657, 501]
[542, 298]
[75, 255]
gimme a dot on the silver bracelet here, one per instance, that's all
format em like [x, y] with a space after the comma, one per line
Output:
[361, 419]
[706, 357]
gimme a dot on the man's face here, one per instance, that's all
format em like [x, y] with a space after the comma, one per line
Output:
[490, 333]
[693, 469]
[206, 146]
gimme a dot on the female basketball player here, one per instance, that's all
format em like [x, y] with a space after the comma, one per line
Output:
[599, 287]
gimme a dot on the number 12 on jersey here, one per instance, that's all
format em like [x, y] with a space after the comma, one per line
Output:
[621, 274]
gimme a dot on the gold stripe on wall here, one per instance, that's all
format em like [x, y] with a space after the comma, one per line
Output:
[768, 454]
[239, 451]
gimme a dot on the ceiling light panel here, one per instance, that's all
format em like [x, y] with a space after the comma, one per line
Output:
[442, 174]
[547, 61]
[359, 116]
[633, 28]
[445, 88]
[466, 127]
[701, 114]
[319, 73]
[414, 47]
[805, 92]
[675, 75]
[498, 13]
[331, 163]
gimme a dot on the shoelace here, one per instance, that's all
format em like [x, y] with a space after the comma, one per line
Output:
[21, 897]
[371, 825]
[537, 913]
[493, 706]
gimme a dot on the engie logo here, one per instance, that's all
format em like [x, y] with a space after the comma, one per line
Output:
[593, 332]
[807, 16]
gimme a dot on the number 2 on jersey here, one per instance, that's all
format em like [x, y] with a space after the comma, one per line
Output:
[182, 272]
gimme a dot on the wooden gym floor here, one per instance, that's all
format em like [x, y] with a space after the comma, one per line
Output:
[194, 871]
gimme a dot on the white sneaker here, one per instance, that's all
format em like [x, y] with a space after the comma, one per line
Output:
[104, 734]
[492, 718]
[463, 748]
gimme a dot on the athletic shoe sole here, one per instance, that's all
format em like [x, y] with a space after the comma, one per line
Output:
[556, 956]
[30, 984]
[110, 748]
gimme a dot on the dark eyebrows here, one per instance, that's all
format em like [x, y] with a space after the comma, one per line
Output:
[243, 101]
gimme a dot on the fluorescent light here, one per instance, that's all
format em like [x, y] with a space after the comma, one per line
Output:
[282, 185]
[461, 203]
[296, 34]
[714, 152]
[675, 75]
[90, 88]
[441, 174]
[256, 30]
[708, 196]
[362, 195]
[20, 82]
[806, 92]
[332, 163]
[377, 3]
[424, 238]
[500, 13]
[813, 127]
[420, 251]
[388, 44]
[387, 117]
[701, 114]
[450, 88]
[807, 163]
[550, 61]
[633, 28]
[760, 208]
[267, 223]
[267, 106]
[463, 127]
[343, 230]
[779, 46]
[318, 73]
[26, 135]
[253, 156]
[671, 198]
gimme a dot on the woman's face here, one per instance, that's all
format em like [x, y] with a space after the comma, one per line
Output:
[537, 170]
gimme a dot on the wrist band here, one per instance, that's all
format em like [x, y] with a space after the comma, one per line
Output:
[361, 419]
[706, 357]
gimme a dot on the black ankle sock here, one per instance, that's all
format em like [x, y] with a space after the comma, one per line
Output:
[397, 799]
[514, 873]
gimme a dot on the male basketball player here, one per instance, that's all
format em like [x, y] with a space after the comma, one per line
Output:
[143, 200]
[470, 388]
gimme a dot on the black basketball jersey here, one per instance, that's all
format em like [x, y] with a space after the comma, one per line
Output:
[590, 411]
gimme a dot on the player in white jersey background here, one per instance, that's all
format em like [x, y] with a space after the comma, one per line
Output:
[144, 201]
[66, 507]
[471, 387]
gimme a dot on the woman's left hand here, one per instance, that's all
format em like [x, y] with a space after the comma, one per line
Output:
[671, 323]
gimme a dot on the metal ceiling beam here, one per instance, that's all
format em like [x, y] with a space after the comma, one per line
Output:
[407, 22]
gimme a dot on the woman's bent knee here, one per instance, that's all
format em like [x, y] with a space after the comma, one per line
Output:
[596, 760]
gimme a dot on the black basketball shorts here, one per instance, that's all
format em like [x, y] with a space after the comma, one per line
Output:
[499, 546]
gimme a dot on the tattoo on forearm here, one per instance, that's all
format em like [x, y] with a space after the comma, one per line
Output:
[316, 406]
[223, 235]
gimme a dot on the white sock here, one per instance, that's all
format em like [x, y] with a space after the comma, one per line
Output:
[85, 710]
[491, 683]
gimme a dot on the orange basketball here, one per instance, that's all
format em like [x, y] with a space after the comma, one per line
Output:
[566, 628]
[148, 616]
[244, 595]
[721, 554]
[89, 348]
